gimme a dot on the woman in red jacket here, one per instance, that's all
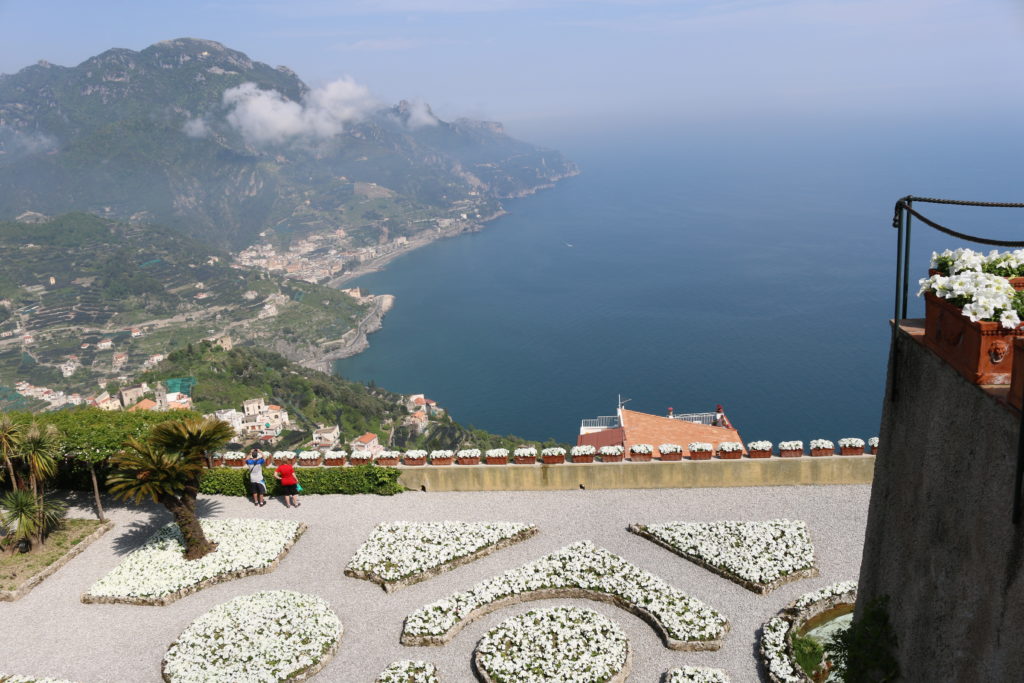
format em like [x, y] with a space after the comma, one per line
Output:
[289, 484]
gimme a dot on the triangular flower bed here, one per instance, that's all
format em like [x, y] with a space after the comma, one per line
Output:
[399, 554]
[760, 556]
[581, 570]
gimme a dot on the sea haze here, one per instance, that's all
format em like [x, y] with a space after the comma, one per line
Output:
[753, 270]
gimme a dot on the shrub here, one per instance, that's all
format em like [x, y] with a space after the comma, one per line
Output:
[864, 652]
[383, 481]
[808, 653]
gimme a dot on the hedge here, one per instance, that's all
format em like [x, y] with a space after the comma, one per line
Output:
[383, 481]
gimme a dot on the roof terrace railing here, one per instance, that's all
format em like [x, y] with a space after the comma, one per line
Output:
[603, 422]
[699, 418]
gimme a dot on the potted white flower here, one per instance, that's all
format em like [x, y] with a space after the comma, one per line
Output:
[524, 455]
[468, 456]
[388, 458]
[441, 457]
[234, 458]
[791, 449]
[641, 452]
[309, 458]
[671, 452]
[553, 456]
[759, 449]
[334, 458]
[496, 456]
[611, 453]
[583, 454]
[820, 447]
[415, 458]
[873, 445]
[360, 458]
[700, 450]
[851, 446]
[730, 450]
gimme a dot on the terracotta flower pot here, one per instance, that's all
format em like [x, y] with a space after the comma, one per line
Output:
[701, 455]
[468, 461]
[387, 462]
[759, 454]
[236, 463]
[641, 457]
[730, 455]
[873, 450]
[851, 450]
[334, 462]
[672, 457]
[495, 460]
[524, 459]
[414, 462]
[356, 462]
[442, 461]
[310, 463]
[553, 459]
[612, 458]
[794, 453]
[583, 458]
[819, 452]
[982, 352]
[217, 462]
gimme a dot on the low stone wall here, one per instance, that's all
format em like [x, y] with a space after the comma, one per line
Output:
[838, 469]
[33, 581]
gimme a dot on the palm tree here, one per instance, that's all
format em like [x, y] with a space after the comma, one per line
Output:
[26, 520]
[38, 450]
[166, 469]
[10, 438]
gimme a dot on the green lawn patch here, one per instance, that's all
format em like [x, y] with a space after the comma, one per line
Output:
[18, 568]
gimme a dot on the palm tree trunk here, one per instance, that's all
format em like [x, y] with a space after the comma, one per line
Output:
[96, 492]
[10, 472]
[196, 543]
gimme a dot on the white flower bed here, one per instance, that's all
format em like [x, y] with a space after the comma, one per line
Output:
[611, 450]
[267, 636]
[158, 573]
[530, 452]
[822, 444]
[583, 450]
[497, 453]
[730, 446]
[402, 553]
[981, 296]
[670, 448]
[5, 678]
[759, 446]
[553, 451]
[851, 443]
[583, 570]
[408, 671]
[759, 556]
[791, 445]
[693, 674]
[469, 453]
[830, 591]
[440, 455]
[642, 448]
[699, 447]
[566, 644]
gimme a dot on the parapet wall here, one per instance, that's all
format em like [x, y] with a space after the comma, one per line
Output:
[940, 541]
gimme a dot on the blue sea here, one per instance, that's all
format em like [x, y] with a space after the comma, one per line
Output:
[751, 267]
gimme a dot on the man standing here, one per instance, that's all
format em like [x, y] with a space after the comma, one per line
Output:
[257, 485]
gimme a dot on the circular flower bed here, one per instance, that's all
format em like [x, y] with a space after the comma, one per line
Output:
[692, 674]
[557, 644]
[408, 671]
[267, 636]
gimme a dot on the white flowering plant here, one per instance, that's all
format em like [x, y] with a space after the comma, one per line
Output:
[791, 445]
[611, 450]
[496, 453]
[641, 448]
[1004, 264]
[554, 451]
[822, 444]
[583, 450]
[389, 455]
[415, 454]
[581, 566]
[759, 446]
[700, 447]
[730, 446]
[409, 671]
[670, 448]
[830, 591]
[6, 678]
[440, 454]
[981, 296]
[561, 643]
[268, 636]
[309, 455]
[757, 555]
[472, 453]
[851, 442]
[335, 455]
[873, 442]
[282, 456]
[693, 674]
[361, 456]
[399, 551]
[525, 452]
[233, 456]
[159, 571]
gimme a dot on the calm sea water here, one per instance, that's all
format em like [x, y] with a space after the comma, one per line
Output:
[752, 270]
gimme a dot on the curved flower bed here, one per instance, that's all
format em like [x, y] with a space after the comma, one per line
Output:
[399, 554]
[580, 570]
[5, 678]
[760, 556]
[158, 573]
[267, 636]
[408, 671]
[776, 635]
[693, 674]
[555, 644]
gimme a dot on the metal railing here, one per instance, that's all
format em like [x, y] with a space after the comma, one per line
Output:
[603, 422]
[699, 418]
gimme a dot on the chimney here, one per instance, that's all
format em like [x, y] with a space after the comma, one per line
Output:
[670, 411]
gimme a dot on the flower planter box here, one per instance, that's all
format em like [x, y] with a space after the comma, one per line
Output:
[641, 457]
[553, 459]
[442, 462]
[820, 452]
[414, 462]
[759, 454]
[310, 463]
[730, 455]
[334, 462]
[524, 459]
[851, 450]
[217, 462]
[235, 463]
[468, 461]
[495, 460]
[672, 457]
[790, 453]
[873, 450]
[387, 462]
[612, 458]
[701, 455]
[982, 352]
[583, 458]
[355, 462]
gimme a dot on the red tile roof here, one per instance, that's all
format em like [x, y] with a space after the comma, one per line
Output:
[144, 404]
[656, 430]
[367, 437]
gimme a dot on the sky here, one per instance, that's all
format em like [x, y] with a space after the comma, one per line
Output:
[578, 63]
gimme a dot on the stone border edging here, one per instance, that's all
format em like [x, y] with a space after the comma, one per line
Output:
[167, 599]
[308, 672]
[550, 593]
[797, 617]
[392, 586]
[37, 578]
[620, 677]
[759, 588]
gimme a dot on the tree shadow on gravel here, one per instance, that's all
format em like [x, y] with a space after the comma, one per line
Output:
[152, 518]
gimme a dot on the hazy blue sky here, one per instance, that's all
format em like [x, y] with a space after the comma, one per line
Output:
[538, 61]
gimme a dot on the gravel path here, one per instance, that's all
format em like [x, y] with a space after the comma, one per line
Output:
[51, 633]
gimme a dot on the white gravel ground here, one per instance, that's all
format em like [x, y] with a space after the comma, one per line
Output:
[51, 633]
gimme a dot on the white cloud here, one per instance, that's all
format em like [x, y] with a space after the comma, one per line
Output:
[14, 143]
[420, 115]
[196, 128]
[267, 117]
